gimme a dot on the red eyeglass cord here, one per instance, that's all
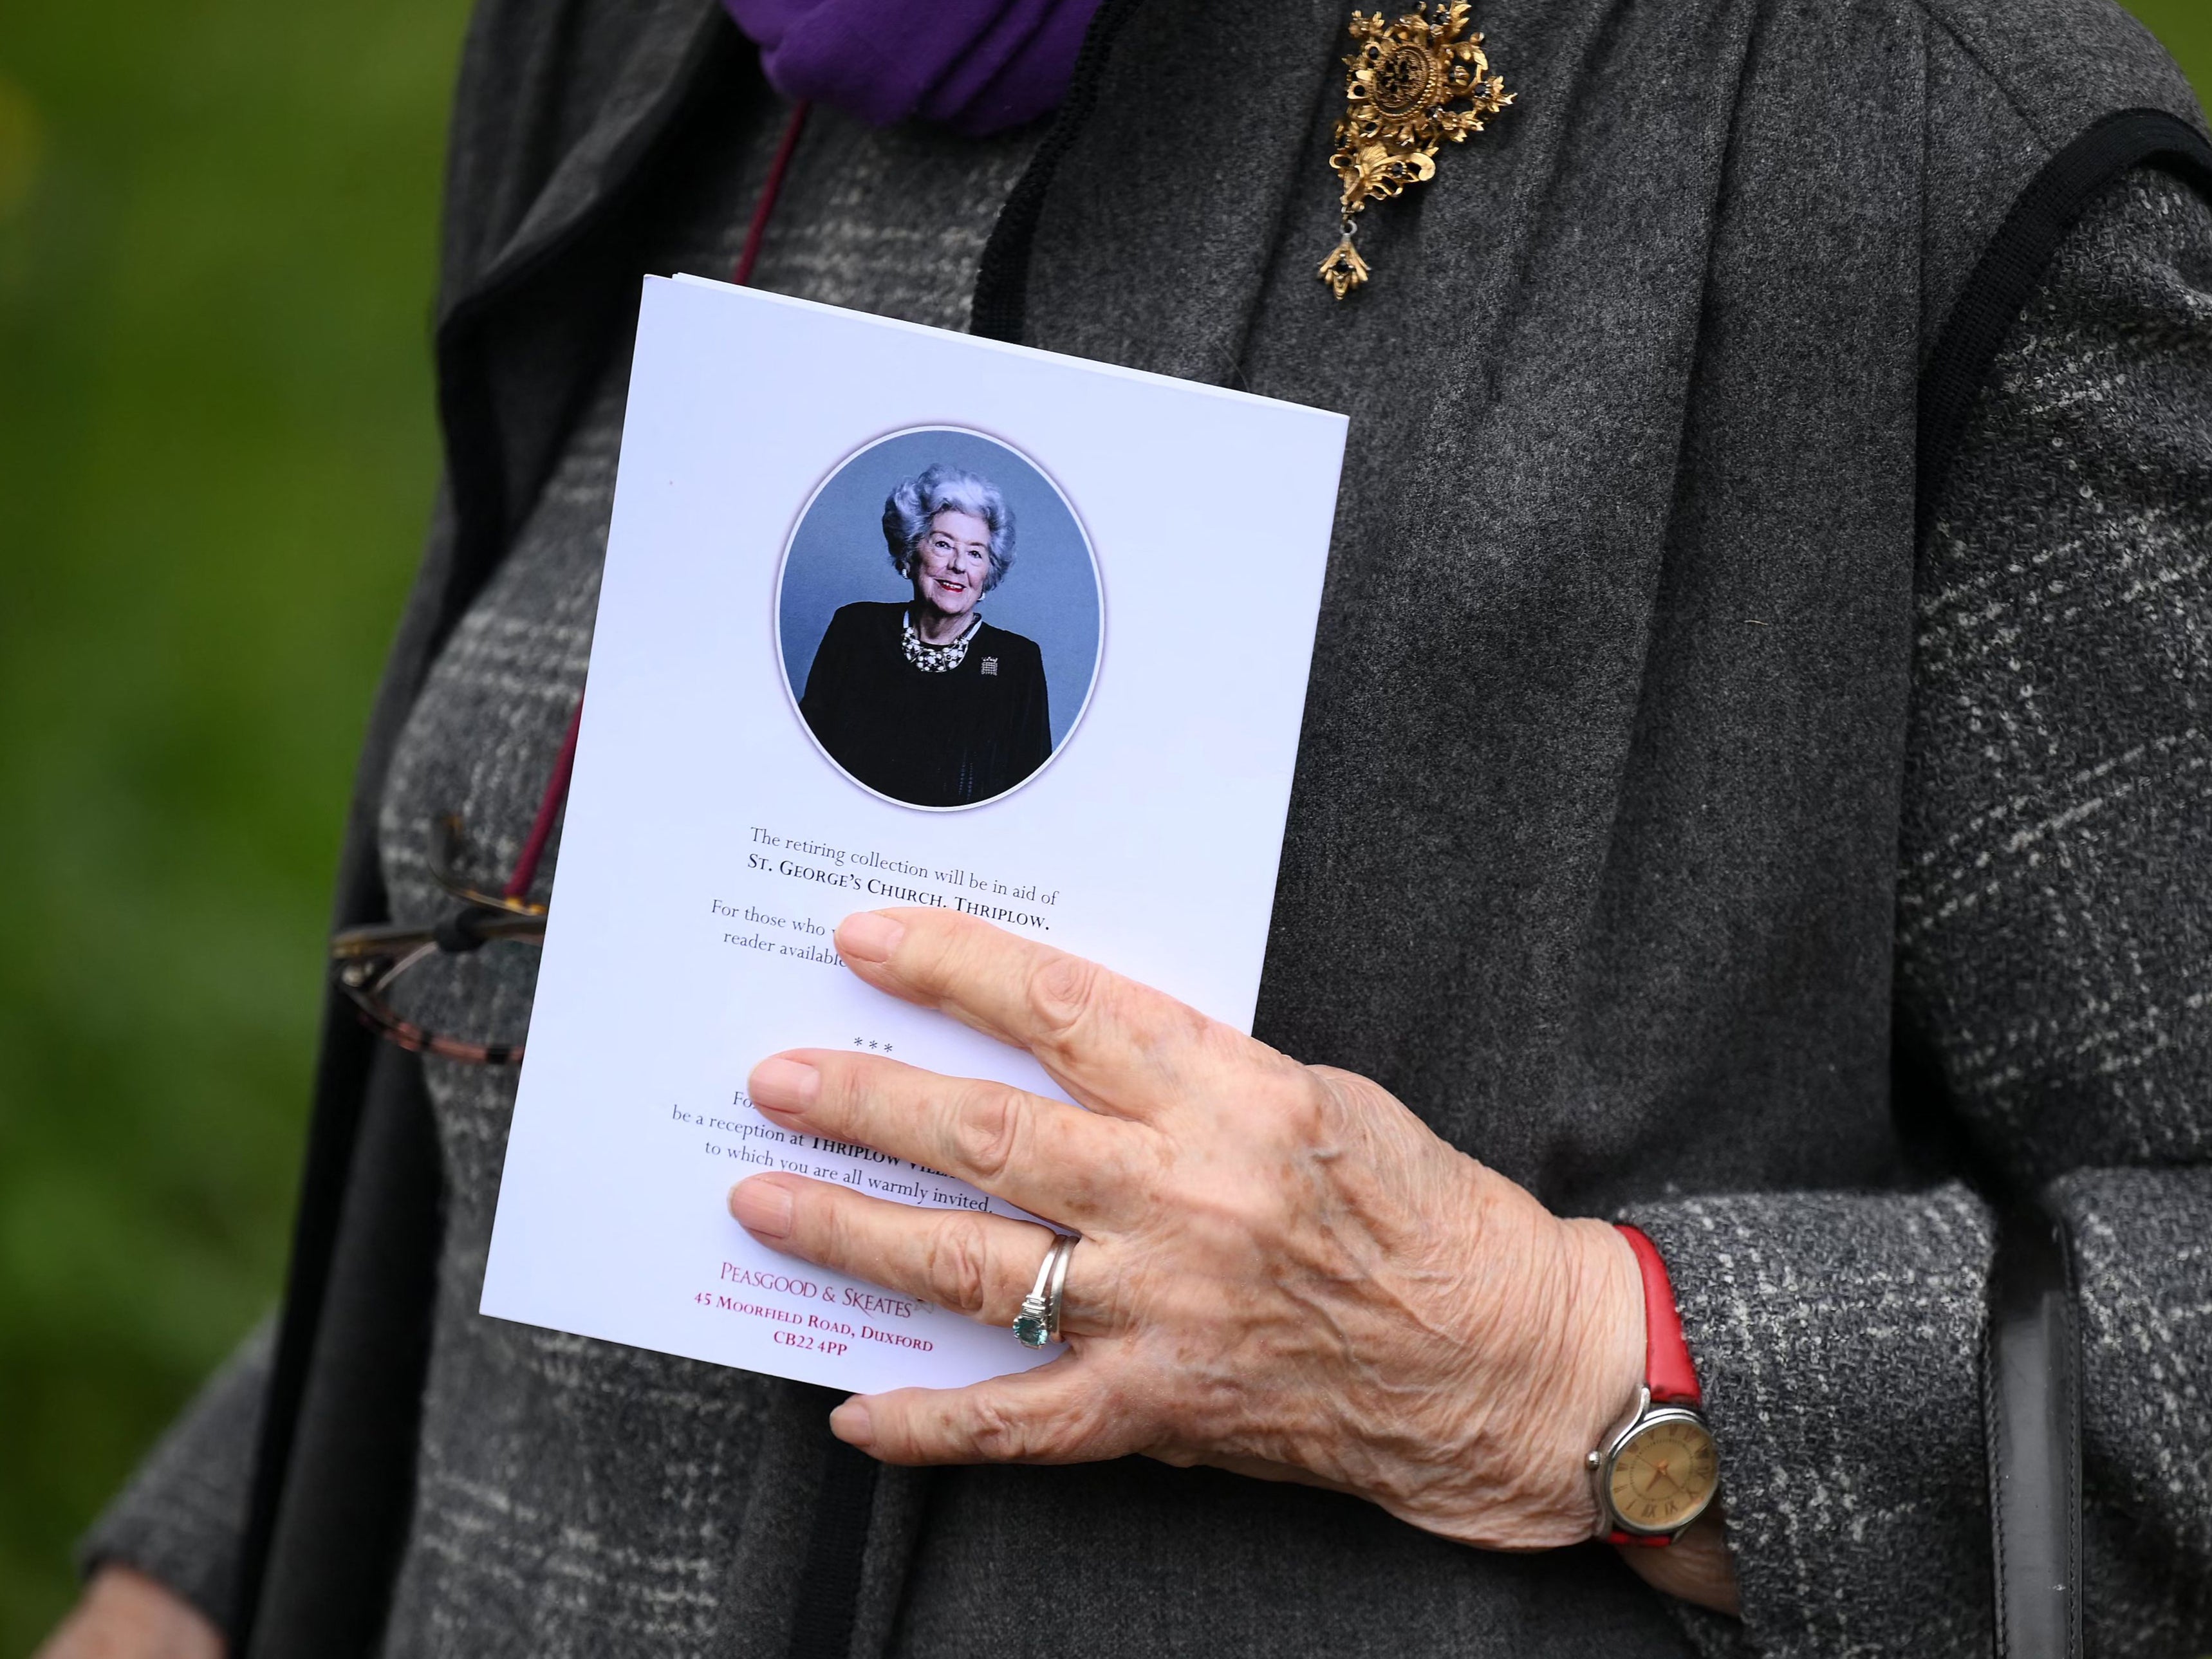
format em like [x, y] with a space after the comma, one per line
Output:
[564, 764]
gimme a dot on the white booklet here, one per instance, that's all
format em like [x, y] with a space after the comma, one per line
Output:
[890, 616]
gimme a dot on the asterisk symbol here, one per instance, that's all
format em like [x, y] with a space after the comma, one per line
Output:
[856, 1042]
[871, 1043]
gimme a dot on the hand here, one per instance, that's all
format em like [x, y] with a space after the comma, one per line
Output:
[1283, 1271]
[1697, 1566]
[124, 1614]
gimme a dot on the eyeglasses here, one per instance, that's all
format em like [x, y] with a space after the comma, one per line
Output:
[366, 962]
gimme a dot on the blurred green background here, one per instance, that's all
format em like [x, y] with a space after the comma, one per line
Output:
[216, 248]
[216, 454]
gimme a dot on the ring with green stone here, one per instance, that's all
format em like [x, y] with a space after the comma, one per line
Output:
[1038, 1323]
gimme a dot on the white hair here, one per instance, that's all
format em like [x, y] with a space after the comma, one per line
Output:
[912, 506]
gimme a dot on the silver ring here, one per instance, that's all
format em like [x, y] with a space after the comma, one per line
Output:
[1038, 1323]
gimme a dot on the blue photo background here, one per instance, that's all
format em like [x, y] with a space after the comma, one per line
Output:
[1051, 593]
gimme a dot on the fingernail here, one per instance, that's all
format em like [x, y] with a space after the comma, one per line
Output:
[850, 1423]
[870, 936]
[784, 1086]
[761, 1206]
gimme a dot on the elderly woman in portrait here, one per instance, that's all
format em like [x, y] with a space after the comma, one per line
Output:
[922, 700]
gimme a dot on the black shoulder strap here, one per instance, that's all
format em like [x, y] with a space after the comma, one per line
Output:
[2015, 264]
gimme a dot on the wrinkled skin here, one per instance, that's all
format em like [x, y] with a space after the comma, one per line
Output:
[950, 565]
[1283, 1272]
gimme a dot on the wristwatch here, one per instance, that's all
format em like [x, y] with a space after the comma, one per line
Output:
[1658, 1469]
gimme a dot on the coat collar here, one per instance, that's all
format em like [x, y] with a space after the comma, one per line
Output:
[1151, 90]
[1174, 152]
[520, 189]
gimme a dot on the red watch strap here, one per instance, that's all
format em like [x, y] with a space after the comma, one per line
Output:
[1668, 1371]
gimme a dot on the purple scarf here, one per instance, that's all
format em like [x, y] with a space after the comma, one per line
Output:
[976, 66]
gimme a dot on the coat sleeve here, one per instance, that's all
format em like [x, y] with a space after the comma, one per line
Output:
[181, 1518]
[2054, 963]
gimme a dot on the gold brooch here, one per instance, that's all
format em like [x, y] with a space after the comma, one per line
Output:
[1406, 77]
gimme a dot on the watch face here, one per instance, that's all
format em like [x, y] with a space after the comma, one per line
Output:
[1664, 1475]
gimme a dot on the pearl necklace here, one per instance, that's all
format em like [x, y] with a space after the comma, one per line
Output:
[936, 659]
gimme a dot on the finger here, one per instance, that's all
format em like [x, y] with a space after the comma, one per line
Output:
[971, 1263]
[1051, 1159]
[1110, 1040]
[1056, 1413]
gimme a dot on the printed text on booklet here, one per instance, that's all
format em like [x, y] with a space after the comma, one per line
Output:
[919, 619]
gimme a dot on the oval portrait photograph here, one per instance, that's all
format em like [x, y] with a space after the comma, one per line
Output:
[939, 616]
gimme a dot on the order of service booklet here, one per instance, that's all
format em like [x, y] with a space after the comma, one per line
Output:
[890, 616]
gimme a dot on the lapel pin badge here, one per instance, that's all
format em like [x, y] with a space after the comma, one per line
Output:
[1413, 86]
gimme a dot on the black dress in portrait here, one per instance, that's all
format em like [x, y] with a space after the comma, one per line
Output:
[949, 739]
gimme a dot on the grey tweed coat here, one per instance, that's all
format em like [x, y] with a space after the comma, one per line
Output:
[1640, 592]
